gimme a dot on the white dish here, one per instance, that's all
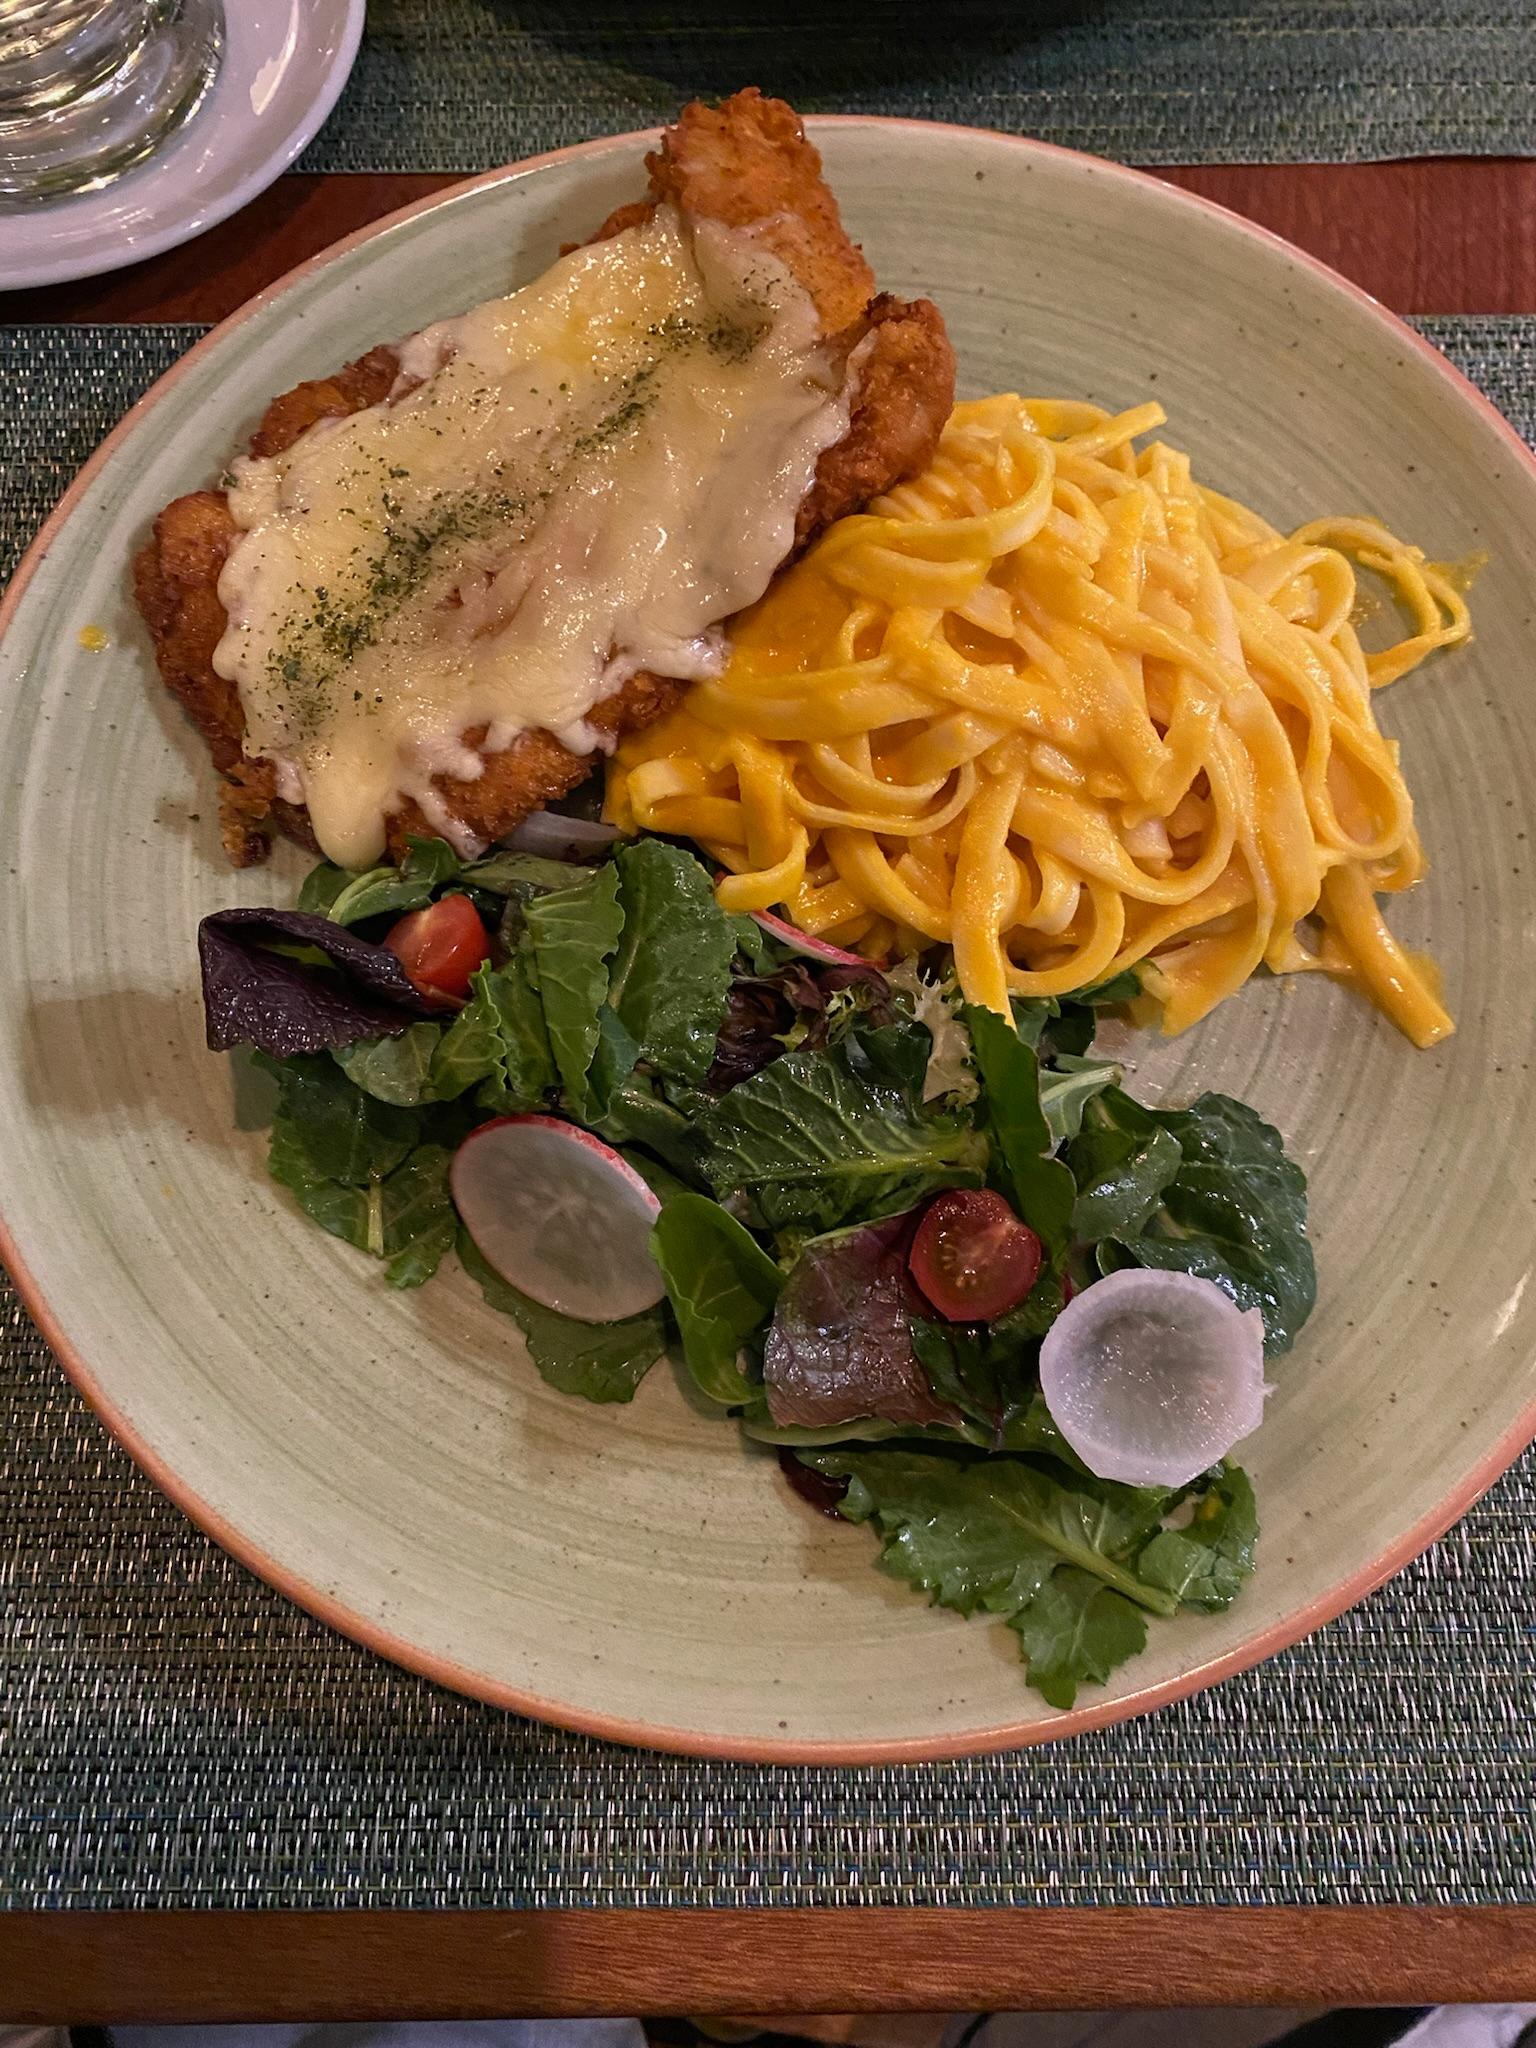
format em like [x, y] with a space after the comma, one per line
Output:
[284, 64]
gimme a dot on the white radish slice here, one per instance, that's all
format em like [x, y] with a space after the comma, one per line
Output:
[558, 837]
[802, 942]
[1152, 1377]
[559, 1215]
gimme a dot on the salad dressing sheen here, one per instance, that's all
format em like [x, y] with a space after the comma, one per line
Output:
[564, 487]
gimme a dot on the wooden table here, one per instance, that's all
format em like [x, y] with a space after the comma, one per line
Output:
[1434, 236]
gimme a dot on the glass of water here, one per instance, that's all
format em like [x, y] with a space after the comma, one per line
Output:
[90, 87]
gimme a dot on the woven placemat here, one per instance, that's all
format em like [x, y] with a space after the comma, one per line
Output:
[461, 85]
[173, 1733]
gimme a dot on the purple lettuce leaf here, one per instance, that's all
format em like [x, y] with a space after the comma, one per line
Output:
[839, 1348]
[763, 1009]
[254, 996]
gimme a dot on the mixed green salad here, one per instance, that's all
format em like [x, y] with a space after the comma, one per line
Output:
[867, 1221]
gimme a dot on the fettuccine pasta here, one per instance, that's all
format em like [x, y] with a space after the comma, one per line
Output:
[1062, 708]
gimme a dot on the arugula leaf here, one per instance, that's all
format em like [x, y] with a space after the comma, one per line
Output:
[1235, 1213]
[397, 1070]
[672, 969]
[497, 1039]
[964, 1522]
[598, 1361]
[722, 1286]
[1122, 1160]
[1000, 1535]
[1205, 1562]
[333, 1129]
[1077, 1629]
[1066, 1089]
[1040, 1187]
[573, 931]
[819, 1139]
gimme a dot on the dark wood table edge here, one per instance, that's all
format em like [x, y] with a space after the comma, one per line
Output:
[64, 1966]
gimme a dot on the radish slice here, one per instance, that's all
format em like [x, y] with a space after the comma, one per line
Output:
[559, 1215]
[558, 837]
[801, 942]
[1152, 1377]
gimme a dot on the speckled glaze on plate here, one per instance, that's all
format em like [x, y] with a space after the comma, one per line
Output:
[392, 1461]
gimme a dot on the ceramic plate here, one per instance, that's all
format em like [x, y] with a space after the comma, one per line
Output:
[282, 68]
[392, 1461]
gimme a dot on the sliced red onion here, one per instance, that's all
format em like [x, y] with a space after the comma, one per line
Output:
[558, 837]
[1152, 1377]
[797, 941]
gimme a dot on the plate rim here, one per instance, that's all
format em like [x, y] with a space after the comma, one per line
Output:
[1517, 1437]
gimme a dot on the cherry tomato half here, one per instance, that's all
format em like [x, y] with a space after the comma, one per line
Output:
[972, 1256]
[440, 947]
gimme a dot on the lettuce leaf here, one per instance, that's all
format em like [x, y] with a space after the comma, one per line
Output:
[340, 990]
[1039, 1186]
[356, 1167]
[599, 1361]
[573, 932]
[722, 1286]
[498, 1041]
[672, 969]
[397, 1070]
[824, 1138]
[840, 1346]
[1121, 1160]
[389, 891]
[1066, 1089]
[1235, 1213]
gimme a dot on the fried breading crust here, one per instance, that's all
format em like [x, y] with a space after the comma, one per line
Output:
[746, 163]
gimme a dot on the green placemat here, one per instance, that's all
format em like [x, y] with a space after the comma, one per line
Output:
[173, 1733]
[461, 85]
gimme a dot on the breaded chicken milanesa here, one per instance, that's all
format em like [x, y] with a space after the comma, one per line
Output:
[744, 167]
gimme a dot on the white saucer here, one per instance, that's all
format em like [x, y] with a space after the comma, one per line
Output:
[284, 64]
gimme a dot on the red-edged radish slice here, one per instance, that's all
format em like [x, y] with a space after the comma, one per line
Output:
[559, 1215]
[801, 942]
[1152, 1377]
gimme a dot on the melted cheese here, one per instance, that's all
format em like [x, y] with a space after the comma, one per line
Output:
[564, 487]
